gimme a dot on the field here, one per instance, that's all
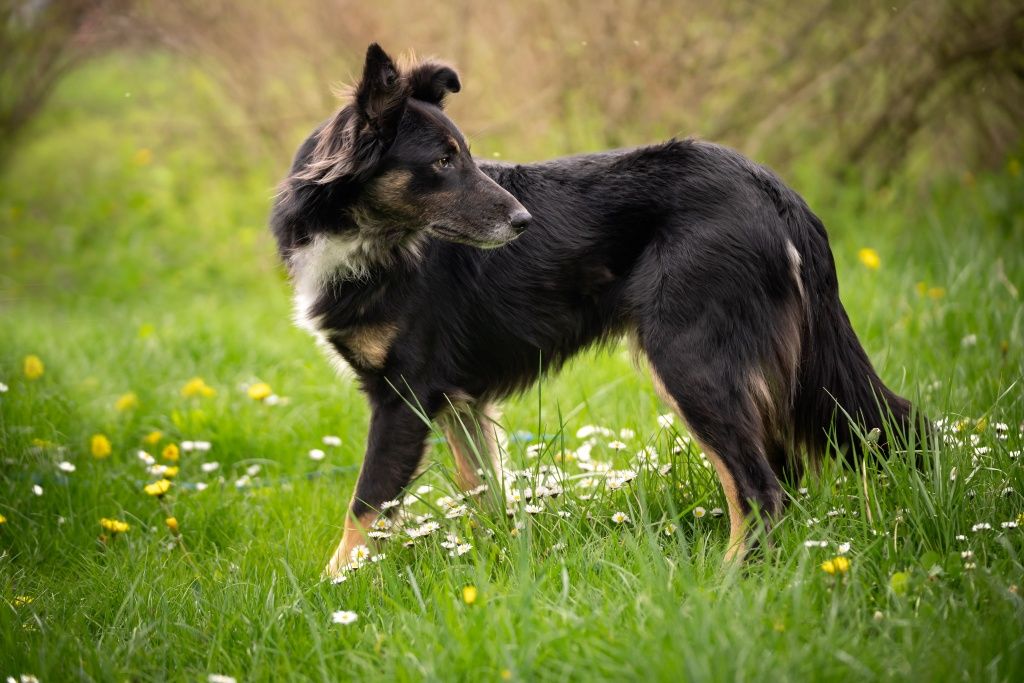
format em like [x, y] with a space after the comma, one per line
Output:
[142, 308]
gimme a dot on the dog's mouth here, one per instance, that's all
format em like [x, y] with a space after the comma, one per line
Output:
[450, 234]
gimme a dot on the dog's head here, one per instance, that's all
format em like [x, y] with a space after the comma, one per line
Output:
[404, 165]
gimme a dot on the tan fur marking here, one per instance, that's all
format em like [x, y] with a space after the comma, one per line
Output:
[737, 520]
[391, 186]
[354, 536]
[370, 344]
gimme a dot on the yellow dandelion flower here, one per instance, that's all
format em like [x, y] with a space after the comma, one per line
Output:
[171, 472]
[869, 257]
[153, 438]
[114, 526]
[3, 520]
[125, 402]
[157, 488]
[172, 524]
[506, 675]
[99, 445]
[259, 391]
[171, 452]
[33, 366]
[469, 594]
[22, 600]
[197, 387]
[837, 565]
[143, 156]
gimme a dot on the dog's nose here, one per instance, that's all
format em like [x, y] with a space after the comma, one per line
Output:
[520, 219]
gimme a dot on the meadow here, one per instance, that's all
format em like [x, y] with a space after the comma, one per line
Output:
[145, 335]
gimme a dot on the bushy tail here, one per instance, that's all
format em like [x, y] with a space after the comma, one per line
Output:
[837, 384]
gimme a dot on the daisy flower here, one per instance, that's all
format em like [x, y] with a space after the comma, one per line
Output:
[699, 512]
[65, 466]
[316, 454]
[665, 421]
[209, 467]
[344, 617]
[331, 440]
[460, 549]
[37, 489]
[533, 509]
[620, 518]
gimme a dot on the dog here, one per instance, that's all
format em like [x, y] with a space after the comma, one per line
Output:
[449, 283]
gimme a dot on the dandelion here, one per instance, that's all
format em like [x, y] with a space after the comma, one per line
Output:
[469, 594]
[171, 452]
[114, 526]
[3, 520]
[316, 454]
[869, 257]
[344, 617]
[259, 391]
[100, 446]
[837, 565]
[197, 387]
[620, 518]
[37, 489]
[126, 402]
[699, 512]
[33, 367]
[157, 488]
[153, 438]
[172, 524]
[22, 600]
[331, 440]
[65, 466]
[171, 472]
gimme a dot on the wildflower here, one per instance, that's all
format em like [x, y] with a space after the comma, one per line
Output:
[22, 600]
[388, 504]
[970, 565]
[316, 454]
[146, 458]
[967, 554]
[458, 511]
[65, 466]
[811, 543]
[37, 489]
[717, 512]
[153, 438]
[220, 678]
[665, 421]
[125, 402]
[201, 486]
[620, 518]
[359, 554]
[699, 512]
[837, 565]
[533, 509]
[157, 488]
[617, 445]
[1009, 525]
[626, 434]
[3, 520]
[869, 257]
[201, 446]
[669, 529]
[3, 388]
[114, 526]
[878, 615]
[171, 472]
[172, 524]
[340, 578]
[252, 470]
[171, 452]
[209, 467]
[461, 549]
[344, 617]
[969, 341]
[99, 444]
[259, 391]
[197, 387]
[33, 367]
[469, 594]
[843, 548]
[981, 526]
[331, 440]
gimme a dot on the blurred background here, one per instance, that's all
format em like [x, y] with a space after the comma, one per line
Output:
[141, 142]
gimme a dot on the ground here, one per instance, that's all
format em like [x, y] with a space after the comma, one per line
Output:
[143, 307]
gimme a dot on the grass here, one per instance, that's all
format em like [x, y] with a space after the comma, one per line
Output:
[127, 270]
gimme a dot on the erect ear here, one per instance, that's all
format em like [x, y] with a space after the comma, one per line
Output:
[431, 81]
[381, 95]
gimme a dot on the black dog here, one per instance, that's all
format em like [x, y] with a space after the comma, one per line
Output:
[720, 274]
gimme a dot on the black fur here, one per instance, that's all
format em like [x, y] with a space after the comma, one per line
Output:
[684, 245]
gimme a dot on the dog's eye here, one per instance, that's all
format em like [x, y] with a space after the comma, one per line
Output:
[444, 162]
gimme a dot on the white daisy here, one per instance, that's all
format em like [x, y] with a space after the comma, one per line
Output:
[3, 388]
[65, 466]
[359, 554]
[461, 549]
[188, 445]
[209, 467]
[331, 440]
[146, 458]
[620, 518]
[626, 434]
[811, 543]
[456, 512]
[220, 678]
[669, 529]
[843, 548]
[533, 509]
[388, 504]
[201, 486]
[1009, 525]
[316, 454]
[717, 512]
[617, 445]
[981, 526]
[37, 489]
[699, 512]
[340, 578]
[202, 446]
[252, 470]
[665, 421]
[344, 617]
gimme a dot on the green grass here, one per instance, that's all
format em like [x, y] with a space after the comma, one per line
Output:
[127, 276]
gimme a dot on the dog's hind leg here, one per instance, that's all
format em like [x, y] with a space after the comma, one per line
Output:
[476, 439]
[394, 450]
[705, 389]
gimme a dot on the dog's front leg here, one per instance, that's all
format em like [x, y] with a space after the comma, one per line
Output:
[393, 452]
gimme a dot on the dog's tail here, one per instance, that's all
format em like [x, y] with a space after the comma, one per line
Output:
[836, 383]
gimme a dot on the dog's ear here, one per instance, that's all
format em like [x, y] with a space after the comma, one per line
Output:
[430, 81]
[381, 95]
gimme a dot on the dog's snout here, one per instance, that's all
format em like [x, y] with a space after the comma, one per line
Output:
[520, 219]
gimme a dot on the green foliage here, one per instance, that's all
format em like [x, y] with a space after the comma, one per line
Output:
[127, 270]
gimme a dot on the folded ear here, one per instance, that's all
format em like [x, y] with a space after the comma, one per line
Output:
[381, 95]
[431, 81]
